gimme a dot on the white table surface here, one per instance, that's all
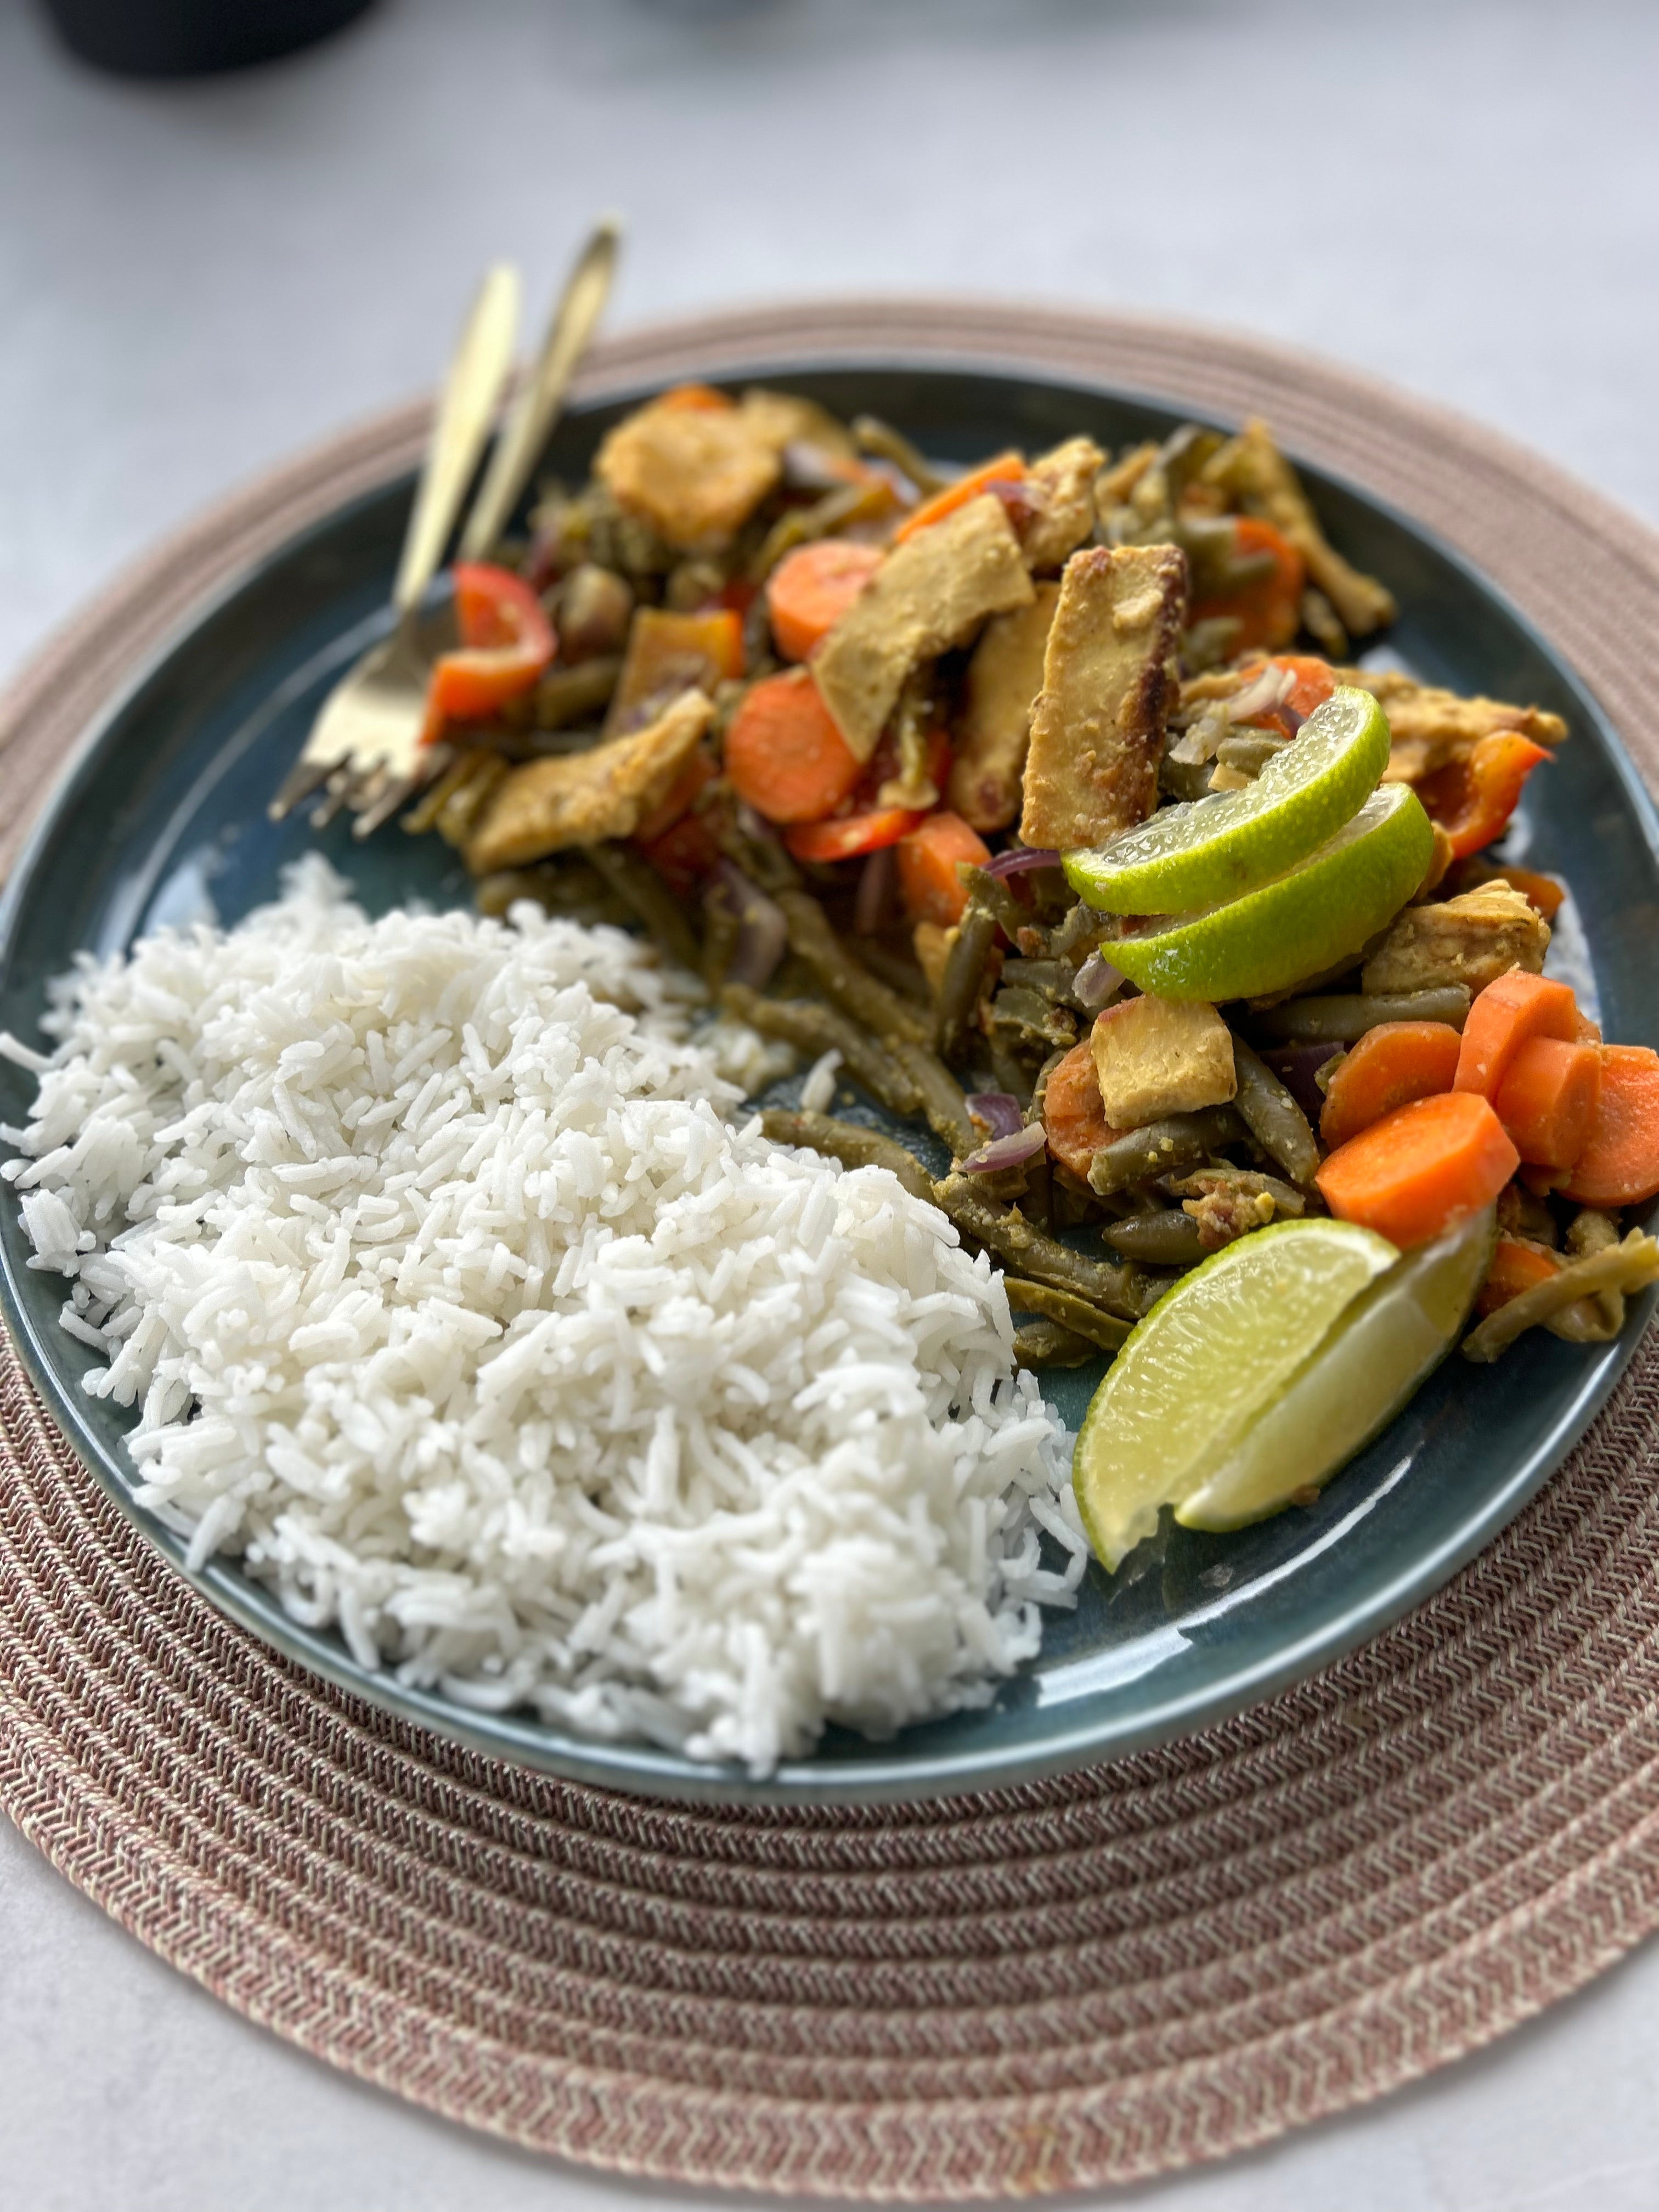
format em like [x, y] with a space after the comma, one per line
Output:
[1463, 195]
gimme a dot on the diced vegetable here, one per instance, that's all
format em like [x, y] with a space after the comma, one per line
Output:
[1267, 607]
[1413, 1175]
[668, 653]
[1072, 1114]
[929, 857]
[1472, 798]
[1619, 1163]
[1393, 1065]
[1515, 1267]
[1159, 1057]
[823, 842]
[1547, 1099]
[811, 588]
[785, 755]
[507, 641]
[1624, 1268]
[1007, 468]
[1510, 1010]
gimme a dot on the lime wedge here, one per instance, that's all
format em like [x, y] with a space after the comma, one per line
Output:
[1302, 924]
[1197, 855]
[1212, 1355]
[1352, 1386]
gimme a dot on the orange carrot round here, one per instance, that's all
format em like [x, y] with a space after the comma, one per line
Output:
[1074, 1117]
[1391, 1065]
[1007, 468]
[1421, 1169]
[1268, 607]
[784, 753]
[1515, 1266]
[1619, 1163]
[1511, 1009]
[928, 859]
[1472, 798]
[811, 589]
[1314, 681]
[1547, 1099]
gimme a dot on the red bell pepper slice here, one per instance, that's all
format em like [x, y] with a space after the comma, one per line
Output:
[507, 641]
[1472, 798]
[823, 841]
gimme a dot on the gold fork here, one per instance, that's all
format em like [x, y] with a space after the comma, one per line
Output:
[364, 751]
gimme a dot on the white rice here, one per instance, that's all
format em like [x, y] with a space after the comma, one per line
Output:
[464, 1305]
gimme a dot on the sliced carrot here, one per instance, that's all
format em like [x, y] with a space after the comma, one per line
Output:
[1391, 1065]
[1074, 1116]
[1510, 1008]
[811, 589]
[1267, 607]
[1547, 1099]
[1420, 1169]
[1619, 1163]
[693, 399]
[784, 753]
[677, 800]
[1006, 469]
[1515, 1266]
[929, 857]
[852, 835]
[1472, 798]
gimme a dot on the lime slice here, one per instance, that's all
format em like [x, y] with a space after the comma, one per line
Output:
[1213, 1353]
[1352, 1386]
[1303, 924]
[1197, 855]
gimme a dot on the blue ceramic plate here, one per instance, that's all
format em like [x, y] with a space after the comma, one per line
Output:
[162, 819]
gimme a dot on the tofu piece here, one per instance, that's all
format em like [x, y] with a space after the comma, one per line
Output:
[1108, 683]
[929, 595]
[1251, 469]
[1158, 1056]
[1004, 677]
[1472, 939]
[782, 419]
[585, 799]
[1060, 486]
[1430, 727]
[696, 474]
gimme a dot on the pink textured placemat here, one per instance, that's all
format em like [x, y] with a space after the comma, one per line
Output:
[1089, 1979]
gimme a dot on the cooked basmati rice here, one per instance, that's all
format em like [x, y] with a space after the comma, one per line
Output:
[463, 1301]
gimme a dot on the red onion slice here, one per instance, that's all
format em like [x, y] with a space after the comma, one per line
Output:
[1015, 1152]
[1097, 982]
[1020, 860]
[1262, 694]
[762, 933]
[1296, 1067]
[1000, 1111]
[873, 896]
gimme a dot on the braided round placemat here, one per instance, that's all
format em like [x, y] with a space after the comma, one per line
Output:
[1083, 1981]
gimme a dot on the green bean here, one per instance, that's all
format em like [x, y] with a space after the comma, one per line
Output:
[1168, 1147]
[1203, 1182]
[1273, 1116]
[1249, 754]
[1187, 781]
[1159, 1240]
[1040, 1258]
[1047, 1344]
[939, 1092]
[1080, 931]
[1053, 978]
[581, 694]
[896, 970]
[755, 849]
[854, 1147]
[1625, 1266]
[815, 1029]
[1598, 1319]
[1344, 1017]
[1074, 1313]
[991, 892]
[964, 973]
[633, 880]
[844, 977]
[872, 435]
[722, 929]
[1036, 1023]
[801, 525]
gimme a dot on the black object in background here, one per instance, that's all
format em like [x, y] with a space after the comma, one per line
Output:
[190, 38]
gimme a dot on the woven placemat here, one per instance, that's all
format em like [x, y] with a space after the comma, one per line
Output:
[1094, 1978]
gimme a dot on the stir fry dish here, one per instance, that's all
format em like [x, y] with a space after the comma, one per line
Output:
[1063, 809]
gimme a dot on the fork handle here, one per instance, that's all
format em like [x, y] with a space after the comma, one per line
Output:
[471, 389]
[519, 445]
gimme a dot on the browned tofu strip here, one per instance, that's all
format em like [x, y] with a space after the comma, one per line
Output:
[1253, 470]
[583, 798]
[1472, 939]
[1430, 727]
[1004, 677]
[696, 474]
[1060, 486]
[930, 594]
[1108, 683]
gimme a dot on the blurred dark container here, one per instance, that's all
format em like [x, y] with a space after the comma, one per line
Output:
[191, 38]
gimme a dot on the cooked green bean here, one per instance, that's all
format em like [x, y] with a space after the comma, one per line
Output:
[1076, 1314]
[939, 1093]
[992, 893]
[872, 435]
[801, 525]
[846, 1141]
[1168, 1239]
[845, 978]
[1623, 1267]
[898, 971]
[1042, 1259]
[1168, 1147]
[1273, 1116]
[581, 694]
[1249, 755]
[815, 1029]
[1047, 1344]
[635, 880]
[1250, 1182]
[1344, 1016]
[964, 973]
[1031, 1022]
[1598, 1318]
